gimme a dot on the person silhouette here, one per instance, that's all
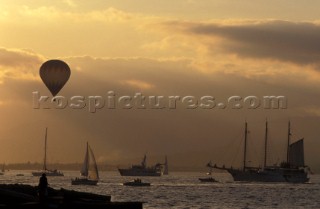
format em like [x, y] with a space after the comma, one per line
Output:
[43, 187]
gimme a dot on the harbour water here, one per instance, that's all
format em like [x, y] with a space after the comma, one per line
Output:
[184, 190]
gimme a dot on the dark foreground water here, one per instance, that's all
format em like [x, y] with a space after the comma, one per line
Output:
[183, 190]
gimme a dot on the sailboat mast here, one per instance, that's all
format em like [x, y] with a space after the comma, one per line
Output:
[144, 161]
[85, 165]
[245, 147]
[166, 167]
[45, 151]
[288, 145]
[88, 159]
[265, 145]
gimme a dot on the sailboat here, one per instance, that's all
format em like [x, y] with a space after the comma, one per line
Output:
[293, 170]
[45, 170]
[89, 173]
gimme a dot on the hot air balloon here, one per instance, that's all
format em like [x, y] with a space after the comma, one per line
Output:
[54, 74]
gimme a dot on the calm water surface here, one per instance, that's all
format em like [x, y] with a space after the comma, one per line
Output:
[183, 190]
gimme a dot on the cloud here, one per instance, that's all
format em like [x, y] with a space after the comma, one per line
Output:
[19, 64]
[58, 31]
[142, 85]
[263, 50]
[53, 13]
[294, 42]
[70, 3]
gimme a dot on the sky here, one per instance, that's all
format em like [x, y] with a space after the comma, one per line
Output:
[160, 48]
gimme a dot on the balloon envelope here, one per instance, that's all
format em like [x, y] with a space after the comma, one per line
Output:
[54, 74]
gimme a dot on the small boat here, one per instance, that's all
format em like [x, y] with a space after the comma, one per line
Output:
[48, 173]
[20, 174]
[209, 179]
[89, 174]
[84, 181]
[45, 170]
[136, 183]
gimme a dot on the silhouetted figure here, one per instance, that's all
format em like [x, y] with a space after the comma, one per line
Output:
[43, 188]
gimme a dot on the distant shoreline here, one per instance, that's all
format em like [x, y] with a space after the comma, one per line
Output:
[105, 167]
[102, 167]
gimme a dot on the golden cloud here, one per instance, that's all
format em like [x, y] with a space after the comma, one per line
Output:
[19, 64]
[52, 13]
[138, 84]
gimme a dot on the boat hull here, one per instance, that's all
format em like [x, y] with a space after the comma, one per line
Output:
[139, 172]
[274, 175]
[207, 180]
[142, 184]
[90, 182]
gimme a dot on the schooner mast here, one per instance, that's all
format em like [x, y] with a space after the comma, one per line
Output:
[288, 146]
[245, 147]
[45, 151]
[265, 145]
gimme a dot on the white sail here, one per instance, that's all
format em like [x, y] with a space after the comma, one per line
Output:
[85, 166]
[296, 154]
[93, 171]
